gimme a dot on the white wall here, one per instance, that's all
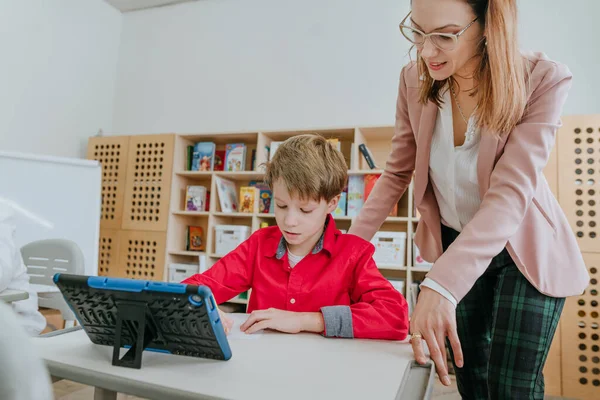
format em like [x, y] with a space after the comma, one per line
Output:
[227, 65]
[220, 65]
[567, 31]
[57, 73]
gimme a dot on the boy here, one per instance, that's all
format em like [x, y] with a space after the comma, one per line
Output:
[304, 274]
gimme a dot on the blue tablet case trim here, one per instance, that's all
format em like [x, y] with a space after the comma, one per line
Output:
[145, 315]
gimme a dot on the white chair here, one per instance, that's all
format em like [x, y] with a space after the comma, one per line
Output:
[23, 375]
[43, 259]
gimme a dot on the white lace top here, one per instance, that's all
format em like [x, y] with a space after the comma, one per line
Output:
[453, 170]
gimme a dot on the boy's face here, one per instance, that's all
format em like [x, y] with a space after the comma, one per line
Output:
[300, 220]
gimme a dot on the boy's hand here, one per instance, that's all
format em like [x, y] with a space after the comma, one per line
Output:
[283, 321]
[226, 321]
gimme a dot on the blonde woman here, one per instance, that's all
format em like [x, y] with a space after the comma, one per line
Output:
[476, 121]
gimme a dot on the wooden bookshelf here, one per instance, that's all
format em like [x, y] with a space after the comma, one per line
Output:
[376, 138]
[124, 236]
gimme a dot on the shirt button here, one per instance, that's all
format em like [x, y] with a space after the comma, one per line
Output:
[292, 301]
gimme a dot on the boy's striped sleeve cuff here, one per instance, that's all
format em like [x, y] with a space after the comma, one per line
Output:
[338, 321]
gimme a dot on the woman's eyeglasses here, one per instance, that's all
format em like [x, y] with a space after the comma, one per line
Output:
[443, 41]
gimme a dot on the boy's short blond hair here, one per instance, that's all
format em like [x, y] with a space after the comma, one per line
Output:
[309, 166]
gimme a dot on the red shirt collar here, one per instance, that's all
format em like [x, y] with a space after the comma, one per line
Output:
[277, 245]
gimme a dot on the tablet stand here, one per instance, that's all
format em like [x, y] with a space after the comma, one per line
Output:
[138, 320]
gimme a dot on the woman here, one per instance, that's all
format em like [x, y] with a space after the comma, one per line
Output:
[476, 121]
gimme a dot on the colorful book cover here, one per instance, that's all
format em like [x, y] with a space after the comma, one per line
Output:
[196, 238]
[235, 157]
[272, 207]
[195, 199]
[265, 199]
[227, 192]
[370, 181]
[247, 199]
[264, 196]
[204, 156]
[340, 211]
[356, 190]
[219, 164]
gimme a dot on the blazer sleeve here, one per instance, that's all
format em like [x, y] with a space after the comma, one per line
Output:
[397, 174]
[513, 183]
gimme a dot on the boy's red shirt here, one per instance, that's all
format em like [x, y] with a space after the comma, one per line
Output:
[340, 271]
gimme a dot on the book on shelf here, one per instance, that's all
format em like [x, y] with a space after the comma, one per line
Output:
[190, 156]
[195, 198]
[272, 207]
[370, 181]
[340, 210]
[248, 198]
[227, 191]
[207, 202]
[235, 157]
[356, 190]
[264, 196]
[367, 155]
[204, 156]
[195, 238]
[219, 164]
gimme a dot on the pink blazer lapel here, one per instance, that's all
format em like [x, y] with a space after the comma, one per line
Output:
[488, 152]
[426, 125]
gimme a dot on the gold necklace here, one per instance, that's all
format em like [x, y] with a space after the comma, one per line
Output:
[458, 104]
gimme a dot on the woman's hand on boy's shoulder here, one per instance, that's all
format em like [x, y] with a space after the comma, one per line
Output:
[283, 321]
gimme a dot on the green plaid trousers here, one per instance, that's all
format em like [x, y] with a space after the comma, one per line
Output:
[505, 327]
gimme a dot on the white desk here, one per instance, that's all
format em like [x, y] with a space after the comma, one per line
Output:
[9, 295]
[274, 366]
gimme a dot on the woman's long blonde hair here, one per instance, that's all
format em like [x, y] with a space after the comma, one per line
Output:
[502, 73]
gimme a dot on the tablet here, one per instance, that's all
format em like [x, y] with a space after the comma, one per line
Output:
[145, 315]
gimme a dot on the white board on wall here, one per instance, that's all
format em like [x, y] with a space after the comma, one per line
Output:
[67, 192]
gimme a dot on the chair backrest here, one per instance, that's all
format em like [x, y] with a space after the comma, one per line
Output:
[44, 258]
